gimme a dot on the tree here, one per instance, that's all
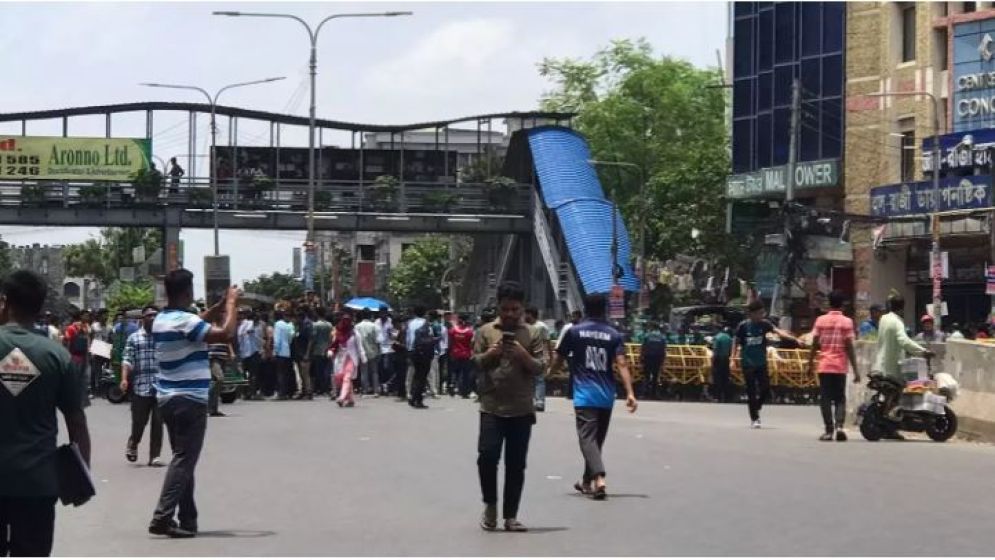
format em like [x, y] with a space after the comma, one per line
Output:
[418, 277]
[277, 286]
[103, 257]
[661, 114]
[130, 295]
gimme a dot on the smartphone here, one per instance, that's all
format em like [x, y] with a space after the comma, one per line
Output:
[508, 337]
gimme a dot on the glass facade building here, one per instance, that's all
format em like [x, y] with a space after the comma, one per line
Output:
[773, 44]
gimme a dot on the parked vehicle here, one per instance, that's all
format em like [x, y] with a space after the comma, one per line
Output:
[922, 407]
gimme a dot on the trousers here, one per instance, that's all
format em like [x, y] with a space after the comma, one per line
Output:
[253, 366]
[186, 423]
[27, 525]
[422, 366]
[511, 433]
[757, 389]
[320, 379]
[285, 378]
[592, 428]
[217, 380]
[370, 376]
[651, 374]
[720, 379]
[144, 410]
[461, 371]
[832, 392]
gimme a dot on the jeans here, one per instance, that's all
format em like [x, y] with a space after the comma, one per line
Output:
[513, 434]
[540, 392]
[144, 409]
[459, 376]
[186, 423]
[592, 428]
[422, 365]
[757, 389]
[26, 525]
[651, 374]
[285, 378]
[370, 375]
[386, 370]
[832, 392]
[320, 375]
[253, 366]
[720, 379]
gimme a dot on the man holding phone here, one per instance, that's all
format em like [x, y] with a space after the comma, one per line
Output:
[510, 356]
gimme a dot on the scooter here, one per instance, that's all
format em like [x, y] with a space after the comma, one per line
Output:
[922, 407]
[110, 386]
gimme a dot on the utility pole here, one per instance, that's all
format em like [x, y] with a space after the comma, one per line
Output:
[783, 295]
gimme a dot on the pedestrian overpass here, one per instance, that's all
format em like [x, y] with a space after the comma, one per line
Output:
[549, 226]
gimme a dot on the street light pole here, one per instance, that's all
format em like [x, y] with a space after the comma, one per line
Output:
[313, 69]
[937, 270]
[642, 217]
[213, 101]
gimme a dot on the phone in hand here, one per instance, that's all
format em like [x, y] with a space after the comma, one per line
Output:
[508, 337]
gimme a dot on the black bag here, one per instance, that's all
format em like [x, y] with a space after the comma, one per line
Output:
[75, 484]
[425, 341]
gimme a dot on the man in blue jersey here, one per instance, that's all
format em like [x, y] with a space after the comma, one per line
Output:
[182, 387]
[593, 348]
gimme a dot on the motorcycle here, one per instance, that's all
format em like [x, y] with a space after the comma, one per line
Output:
[110, 385]
[922, 407]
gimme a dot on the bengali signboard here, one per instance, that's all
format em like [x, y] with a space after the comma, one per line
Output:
[771, 182]
[956, 193]
[72, 159]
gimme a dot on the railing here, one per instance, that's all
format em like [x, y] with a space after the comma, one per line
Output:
[285, 195]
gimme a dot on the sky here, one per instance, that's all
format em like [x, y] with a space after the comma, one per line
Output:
[450, 59]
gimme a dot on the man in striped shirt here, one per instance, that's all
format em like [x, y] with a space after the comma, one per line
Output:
[182, 387]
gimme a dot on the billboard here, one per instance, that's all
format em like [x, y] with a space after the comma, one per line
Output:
[72, 159]
[973, 76]
[955, 193]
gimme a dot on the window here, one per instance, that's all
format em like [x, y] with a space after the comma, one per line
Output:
[908, 33]
[367, 252]
[941, 49]
[970, 7]
[908, 159]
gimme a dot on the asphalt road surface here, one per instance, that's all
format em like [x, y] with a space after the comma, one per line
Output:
[308, 478]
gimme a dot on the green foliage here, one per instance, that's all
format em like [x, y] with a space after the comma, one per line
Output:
[418, 276]
[277, 286]
[130, 295]
[660, 114]
[103, 257]
[148, 183]
[440, 200]
[482, 169]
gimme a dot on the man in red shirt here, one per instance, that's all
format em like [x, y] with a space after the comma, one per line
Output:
[460, 352]
[77, 341]
[833, 336]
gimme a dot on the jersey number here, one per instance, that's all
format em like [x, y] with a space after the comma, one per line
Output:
[597, 359]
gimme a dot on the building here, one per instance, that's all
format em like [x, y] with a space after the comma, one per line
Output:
[46, 260]
[944, 49]
[469, 144]
[774, 46]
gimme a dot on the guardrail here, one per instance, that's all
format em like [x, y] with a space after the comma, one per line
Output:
[285, 195]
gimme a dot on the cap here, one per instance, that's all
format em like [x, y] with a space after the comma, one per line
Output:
[925, 318]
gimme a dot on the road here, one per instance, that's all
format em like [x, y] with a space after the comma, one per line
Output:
[308, 478]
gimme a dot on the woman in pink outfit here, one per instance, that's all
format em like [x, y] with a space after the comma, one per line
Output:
[348, 355]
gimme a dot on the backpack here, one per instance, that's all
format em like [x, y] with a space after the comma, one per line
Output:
[425, 341]
[78, 345]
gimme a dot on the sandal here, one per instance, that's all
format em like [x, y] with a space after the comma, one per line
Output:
[131, 455]
[600, 493]
[582, 488]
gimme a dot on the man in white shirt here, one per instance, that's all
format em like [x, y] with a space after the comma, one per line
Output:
[386, 336]
[369, 370]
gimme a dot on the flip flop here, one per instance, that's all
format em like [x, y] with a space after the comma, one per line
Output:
[581, 488]
[131, 456]
[600, 493]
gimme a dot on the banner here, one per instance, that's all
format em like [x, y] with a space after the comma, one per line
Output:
[72, 159]
[956, 193]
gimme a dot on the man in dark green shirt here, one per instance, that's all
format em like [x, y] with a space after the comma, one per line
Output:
[35, 379]
[751, 346]
[721, 352]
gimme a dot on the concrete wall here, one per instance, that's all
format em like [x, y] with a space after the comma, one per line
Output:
[971, 364]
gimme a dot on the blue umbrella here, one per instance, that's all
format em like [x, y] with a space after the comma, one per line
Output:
[361, 303]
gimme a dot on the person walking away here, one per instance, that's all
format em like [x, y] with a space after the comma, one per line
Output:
[422, 345]
[653, 352]
[175, 172]
[461, 352]
[299, 352]
[542, 330]
[77, 340]
[386, 336]
[349, 357]
[832, 337]
[509, 356]
[182, 386]
[869, 328]
[721, 352]
[370, 372]
[593, 349]
[929, 333]
[751, 347]
[249, 350]
[139, 366]
[36, 379]
[283, 337]
[220, 355]
[892, 345]
[434, 384]
[321, 336]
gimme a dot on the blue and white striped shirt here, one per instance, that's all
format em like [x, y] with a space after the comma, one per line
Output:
[183, 360]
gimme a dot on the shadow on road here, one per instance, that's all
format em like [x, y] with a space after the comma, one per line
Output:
[612, 496]
[234, 534]
[541, 530]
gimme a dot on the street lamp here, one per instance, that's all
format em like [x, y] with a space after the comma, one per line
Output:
[313, 66]
[937, 271]
[642, 216]
[213, 101]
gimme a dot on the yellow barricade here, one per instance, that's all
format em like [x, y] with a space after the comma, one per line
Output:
[787, 368]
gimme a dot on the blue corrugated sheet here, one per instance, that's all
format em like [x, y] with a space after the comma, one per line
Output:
[569, 186]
